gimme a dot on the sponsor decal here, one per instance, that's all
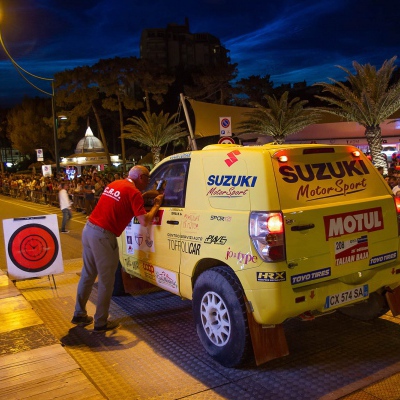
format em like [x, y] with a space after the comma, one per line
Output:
[243, 258]
[148, 271]
[326, 172]
[184, 246]
[139, 239]
[213, 239]
[221, 218]
[271, 276]
[232, 157]
[143, 237]
[340, 188]
[323, 171]
[157, 220]
[310, 276]
[348, 251]
[185, 237]
[232, 180]
[131, 265]
[166, 279]
[182, 155]
[382, 258]
[191, 221]
[368, 220]
[227, 185]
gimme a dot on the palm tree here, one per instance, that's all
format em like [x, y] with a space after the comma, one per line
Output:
[281, 119]
[367, 99]
[154, 131]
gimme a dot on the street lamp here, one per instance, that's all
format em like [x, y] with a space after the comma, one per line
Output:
[22, 71]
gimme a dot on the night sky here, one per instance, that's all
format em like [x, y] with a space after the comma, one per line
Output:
[291, 40]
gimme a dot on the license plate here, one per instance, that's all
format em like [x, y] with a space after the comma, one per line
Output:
[345, 297]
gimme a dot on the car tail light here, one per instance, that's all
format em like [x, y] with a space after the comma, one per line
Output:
[268, 235]
[397, 203]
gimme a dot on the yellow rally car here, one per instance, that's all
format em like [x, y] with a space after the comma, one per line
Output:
[257, 235]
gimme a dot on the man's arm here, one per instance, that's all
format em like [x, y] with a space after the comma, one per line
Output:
[146, 219]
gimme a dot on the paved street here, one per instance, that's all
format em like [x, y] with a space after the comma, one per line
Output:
[156, 354]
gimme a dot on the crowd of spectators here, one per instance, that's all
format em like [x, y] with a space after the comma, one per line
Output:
[84, 189]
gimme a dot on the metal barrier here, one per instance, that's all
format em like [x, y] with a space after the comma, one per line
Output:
[49, 198]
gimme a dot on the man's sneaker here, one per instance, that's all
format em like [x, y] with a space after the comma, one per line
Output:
[107, 327]
[64, 231]
[82, 321]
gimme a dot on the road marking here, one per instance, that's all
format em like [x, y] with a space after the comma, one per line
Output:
[44, 209]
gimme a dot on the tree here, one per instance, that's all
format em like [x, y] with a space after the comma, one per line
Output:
[282, 118]
[154, 131]
[153, 80]
[211, 83]
[255, 88]
[27, 128]
[368, 99]
[77, 90]
[115, 78]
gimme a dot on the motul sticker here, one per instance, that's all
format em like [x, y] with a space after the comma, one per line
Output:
[353, 222]
[348, 251]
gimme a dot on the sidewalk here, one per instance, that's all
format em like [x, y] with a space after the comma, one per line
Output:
[33, 363]
[155, 354]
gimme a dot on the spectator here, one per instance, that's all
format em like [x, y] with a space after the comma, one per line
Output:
[65, 206]
[89, 191]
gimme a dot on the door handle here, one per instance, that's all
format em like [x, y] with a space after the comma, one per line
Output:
[302, 227]
[173, 222]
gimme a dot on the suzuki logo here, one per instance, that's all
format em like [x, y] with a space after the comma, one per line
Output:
[232, 159]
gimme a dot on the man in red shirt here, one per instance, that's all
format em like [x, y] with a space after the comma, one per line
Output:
[120, 201]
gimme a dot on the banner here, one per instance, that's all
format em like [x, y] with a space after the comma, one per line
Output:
[32, 246]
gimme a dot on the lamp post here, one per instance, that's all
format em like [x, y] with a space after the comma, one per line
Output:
[55, 129]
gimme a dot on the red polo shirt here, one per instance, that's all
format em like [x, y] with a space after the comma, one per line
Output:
[118, 204]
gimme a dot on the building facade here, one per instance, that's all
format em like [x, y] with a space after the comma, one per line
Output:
[175, 46]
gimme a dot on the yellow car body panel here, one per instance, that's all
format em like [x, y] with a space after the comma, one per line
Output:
[340, 226]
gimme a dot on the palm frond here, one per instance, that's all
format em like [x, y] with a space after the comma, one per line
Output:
[282, 118]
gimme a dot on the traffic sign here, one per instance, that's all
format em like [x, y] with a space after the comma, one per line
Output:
[226, 140]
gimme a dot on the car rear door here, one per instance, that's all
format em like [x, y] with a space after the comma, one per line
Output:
[339, 214]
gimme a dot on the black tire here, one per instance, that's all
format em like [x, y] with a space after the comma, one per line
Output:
[374, 307]
[220, 317]
[119, 284]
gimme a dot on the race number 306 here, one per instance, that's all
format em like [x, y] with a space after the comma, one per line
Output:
[347, 296]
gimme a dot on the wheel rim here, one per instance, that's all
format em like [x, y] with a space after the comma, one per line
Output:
[215, 319]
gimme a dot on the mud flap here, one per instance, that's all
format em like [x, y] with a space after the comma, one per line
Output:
[268, 343]
[393, 299]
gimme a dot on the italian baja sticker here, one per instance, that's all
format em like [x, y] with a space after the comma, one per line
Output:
[348, 251]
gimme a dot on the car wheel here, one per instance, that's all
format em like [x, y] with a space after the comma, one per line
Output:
[374, 307]
[220, 317]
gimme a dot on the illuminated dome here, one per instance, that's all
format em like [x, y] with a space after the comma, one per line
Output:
[89, 143]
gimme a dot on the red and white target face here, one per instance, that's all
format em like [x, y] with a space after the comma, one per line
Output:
[33, 248]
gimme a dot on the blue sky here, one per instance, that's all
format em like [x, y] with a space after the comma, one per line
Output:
[291, 40]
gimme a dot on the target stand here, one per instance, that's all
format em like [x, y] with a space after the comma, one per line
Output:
[33, 247]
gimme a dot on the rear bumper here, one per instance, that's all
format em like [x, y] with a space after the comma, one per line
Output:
[279, 301]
